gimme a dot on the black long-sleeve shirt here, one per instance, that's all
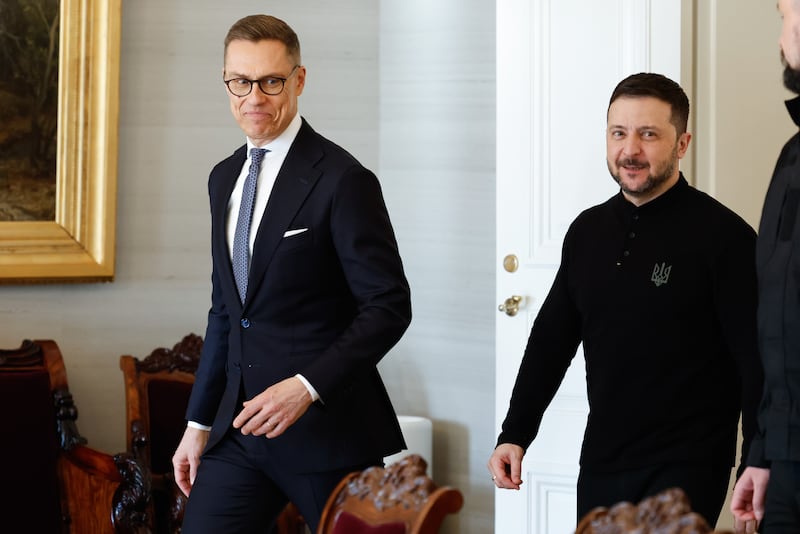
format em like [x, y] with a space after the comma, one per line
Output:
[663, 297]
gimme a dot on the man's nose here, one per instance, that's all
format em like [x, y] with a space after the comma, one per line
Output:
[256, 95]
[631, 146]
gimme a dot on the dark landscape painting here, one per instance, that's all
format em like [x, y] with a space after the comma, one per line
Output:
[28, 109]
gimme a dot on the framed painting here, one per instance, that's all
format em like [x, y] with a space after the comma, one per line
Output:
[76, 241]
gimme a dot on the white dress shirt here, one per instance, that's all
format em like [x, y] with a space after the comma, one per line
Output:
[270, 166]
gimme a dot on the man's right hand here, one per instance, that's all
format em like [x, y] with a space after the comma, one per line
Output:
[186, 459]
[505, 465]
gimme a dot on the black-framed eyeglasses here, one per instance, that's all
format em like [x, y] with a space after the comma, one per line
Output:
[269, 85]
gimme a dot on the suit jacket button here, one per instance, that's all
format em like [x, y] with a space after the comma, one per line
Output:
[245, 323]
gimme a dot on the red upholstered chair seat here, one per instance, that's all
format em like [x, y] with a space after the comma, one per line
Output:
[398, 499]
[347, 523]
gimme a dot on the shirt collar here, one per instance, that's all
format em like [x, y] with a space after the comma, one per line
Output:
[662, 201]
[282, 143]
[793, 106]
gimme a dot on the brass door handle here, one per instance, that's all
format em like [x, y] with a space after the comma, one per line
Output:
[511, 305]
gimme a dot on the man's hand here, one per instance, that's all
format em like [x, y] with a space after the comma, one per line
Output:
[274, 410]
[186, 459]
[505, 465]
[747, 503]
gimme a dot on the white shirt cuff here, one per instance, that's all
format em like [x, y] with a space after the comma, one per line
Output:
[309, 387]
[193, 424]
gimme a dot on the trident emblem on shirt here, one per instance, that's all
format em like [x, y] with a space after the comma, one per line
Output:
[660, 274]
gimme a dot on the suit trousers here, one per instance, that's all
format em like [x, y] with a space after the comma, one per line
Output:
[782, 515]
[705, 484]
[241, 490]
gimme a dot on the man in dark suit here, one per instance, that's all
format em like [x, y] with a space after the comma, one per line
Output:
[308, 294]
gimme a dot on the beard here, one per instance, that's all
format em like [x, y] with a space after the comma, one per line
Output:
[791, 77]
[655, 178]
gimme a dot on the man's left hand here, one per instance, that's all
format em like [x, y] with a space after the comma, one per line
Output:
[274, 410]
[747, 502]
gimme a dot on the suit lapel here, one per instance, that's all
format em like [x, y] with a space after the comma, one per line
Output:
[229, 171]
[293, 184]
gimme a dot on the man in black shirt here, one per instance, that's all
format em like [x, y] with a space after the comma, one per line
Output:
[775, 455]
[659, 285]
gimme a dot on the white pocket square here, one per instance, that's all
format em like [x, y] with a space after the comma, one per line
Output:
[290, 233]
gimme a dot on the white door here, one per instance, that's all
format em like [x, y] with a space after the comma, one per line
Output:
[557, 63]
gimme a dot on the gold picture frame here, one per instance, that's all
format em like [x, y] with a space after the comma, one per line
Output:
[79, 245]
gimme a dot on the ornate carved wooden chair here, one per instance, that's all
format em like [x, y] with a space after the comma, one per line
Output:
[157, 391]
[52, 481]
[668, 512]
[398, 499]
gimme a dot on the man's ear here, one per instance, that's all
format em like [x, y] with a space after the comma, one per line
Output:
[683, 144]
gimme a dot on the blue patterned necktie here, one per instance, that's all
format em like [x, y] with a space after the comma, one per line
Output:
[241, 238]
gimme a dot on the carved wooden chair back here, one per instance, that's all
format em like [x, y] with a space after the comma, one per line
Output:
[157, 390]
[667, 512]
[77, 488]
[398, 499]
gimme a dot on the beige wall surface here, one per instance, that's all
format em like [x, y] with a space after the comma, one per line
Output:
[741, 121]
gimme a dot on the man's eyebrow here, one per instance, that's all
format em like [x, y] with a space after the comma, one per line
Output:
[638, 128]
[234, 74]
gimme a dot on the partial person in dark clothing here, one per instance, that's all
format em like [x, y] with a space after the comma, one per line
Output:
[659, 285]
[769, 489]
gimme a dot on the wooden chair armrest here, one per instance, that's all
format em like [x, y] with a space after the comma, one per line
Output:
[94, 483]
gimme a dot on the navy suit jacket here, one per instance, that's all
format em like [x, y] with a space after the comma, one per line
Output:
[328, 303]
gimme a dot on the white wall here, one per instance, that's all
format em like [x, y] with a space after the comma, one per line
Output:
[437, 164]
